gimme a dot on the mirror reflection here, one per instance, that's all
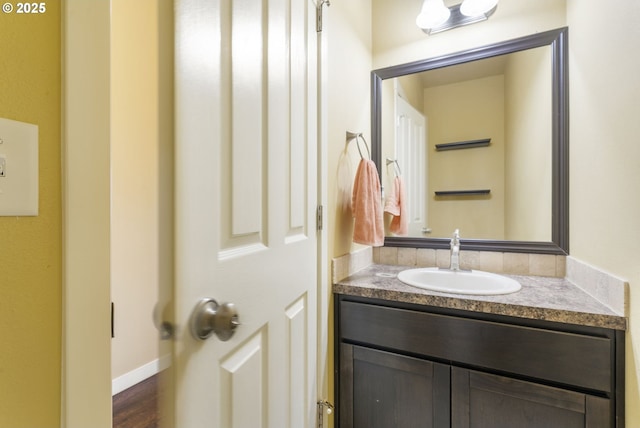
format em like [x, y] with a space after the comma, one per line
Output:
[499, 185]
[480, 141]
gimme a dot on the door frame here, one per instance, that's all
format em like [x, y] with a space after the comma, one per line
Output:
[86, 338]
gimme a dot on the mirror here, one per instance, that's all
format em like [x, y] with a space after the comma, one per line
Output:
[488, 184]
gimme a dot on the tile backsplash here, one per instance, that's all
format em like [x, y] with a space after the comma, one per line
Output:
[607, 288]
[507, 263]
[343, 266]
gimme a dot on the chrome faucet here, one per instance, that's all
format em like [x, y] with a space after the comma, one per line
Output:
[455, 251]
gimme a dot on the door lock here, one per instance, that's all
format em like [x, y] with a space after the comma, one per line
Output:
[208, 317]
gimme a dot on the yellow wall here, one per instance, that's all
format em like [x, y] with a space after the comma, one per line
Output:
[464, 111]
[605, 155]
[31, 261]
[528, 145]
[411, 88]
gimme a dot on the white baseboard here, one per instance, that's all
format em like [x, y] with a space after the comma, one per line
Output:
[136, 376]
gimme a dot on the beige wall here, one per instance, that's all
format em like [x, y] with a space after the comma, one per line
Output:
[465, 111]
[348, 36]
[31, 261]
[135, 190]
[528, 145]
[411, 88]
[605, 154]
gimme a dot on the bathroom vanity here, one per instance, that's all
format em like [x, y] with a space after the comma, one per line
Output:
[547, 356]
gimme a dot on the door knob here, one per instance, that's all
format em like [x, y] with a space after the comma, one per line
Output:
[160, 317]
[209, 317]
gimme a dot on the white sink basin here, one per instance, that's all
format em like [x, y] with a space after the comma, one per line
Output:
[459, 282]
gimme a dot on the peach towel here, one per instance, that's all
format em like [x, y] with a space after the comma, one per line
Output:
[366, 206]
[396, 205]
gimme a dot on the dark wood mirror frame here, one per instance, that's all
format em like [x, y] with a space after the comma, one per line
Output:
[558, 41]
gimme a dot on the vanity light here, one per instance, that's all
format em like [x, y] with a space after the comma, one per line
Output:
[477, 7]
[433, 14]
[435, 17]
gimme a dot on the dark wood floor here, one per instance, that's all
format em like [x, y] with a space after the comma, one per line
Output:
[137, 407]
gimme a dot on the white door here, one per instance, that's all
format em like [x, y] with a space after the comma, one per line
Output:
[246, 195]
[411, 153]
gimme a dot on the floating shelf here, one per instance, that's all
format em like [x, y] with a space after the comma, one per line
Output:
[463, 144]
[462, 192]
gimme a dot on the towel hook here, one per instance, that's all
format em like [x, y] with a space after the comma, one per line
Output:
[396, 166]
[356, 136]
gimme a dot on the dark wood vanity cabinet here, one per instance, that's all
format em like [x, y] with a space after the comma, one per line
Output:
[409, 366]
[484, 400]
[384, 389]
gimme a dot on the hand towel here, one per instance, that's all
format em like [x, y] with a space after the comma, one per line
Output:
[367, 206]
[396, 205]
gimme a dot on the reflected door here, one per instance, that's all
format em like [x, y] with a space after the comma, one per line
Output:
[411, 153]
[246, 193]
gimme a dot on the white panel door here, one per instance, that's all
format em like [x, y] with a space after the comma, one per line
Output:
[411, 153]
[246, 193]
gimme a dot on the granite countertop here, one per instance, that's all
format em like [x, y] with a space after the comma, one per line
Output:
[541, 298]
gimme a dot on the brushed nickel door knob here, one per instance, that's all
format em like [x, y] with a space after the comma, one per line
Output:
[209, 317]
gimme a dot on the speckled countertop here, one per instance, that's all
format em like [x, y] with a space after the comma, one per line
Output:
[541, 298]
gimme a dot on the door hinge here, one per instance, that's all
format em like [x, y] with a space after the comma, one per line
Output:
[319, 13]
[319, 217]
[323, 406]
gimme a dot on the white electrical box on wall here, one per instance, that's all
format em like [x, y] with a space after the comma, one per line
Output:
[18, 168]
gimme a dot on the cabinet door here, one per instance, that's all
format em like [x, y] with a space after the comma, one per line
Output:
[481, 400]
[385, 390]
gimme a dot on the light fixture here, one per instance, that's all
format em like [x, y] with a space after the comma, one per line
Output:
[432, 14]
[435, 17]
[477, 7]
